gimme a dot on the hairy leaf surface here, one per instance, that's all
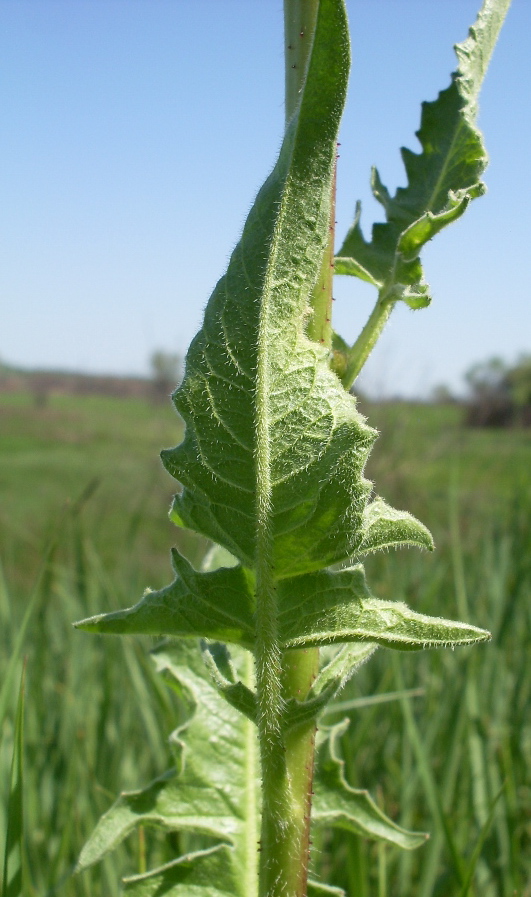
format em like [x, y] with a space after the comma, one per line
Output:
[272, 472]
[214, 789]
[205, 873]
[337, 804]
[274, 447]
[319, 608]
[442, 179]
[216, 604]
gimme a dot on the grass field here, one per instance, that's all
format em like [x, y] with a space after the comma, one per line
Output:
[83, 528]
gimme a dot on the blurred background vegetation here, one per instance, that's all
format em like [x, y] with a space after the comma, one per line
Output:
[442, 739]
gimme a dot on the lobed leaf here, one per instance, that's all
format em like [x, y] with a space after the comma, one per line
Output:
[274, 450]
[214, 789]
[319, 608]
[274, 447]
[339, 805]
[327, 608]
[442, 179]
[206, 873]
[217, 604]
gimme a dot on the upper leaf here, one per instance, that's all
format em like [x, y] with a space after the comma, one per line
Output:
[442, 179]
[274, 446]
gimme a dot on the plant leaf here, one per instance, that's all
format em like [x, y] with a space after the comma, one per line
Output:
[385, 527]
[217, 605]
[442, 179]
[214, 789]
[218, 663]
[320, 608]
[339, 805]
[274, 450]
[332, 607]
[206, 873]
[341, 665]
[265, 416]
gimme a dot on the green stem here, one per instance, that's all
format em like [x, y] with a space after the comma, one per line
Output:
[287, 760]
[367, 339]
[287, 785]
[320, 323]
[300, 669]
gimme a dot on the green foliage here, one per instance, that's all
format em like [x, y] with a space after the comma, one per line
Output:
[464, 738]
[14, 849]
[272, 460]
[442, 180]
[220, 750]
[272, 472]
[519, 377]
[314, 609]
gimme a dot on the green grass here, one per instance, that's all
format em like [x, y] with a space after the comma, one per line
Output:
[83, 529]
[423, 447]
[102, 452]
[444, 760]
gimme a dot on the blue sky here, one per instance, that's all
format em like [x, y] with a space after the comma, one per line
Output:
[137, 132]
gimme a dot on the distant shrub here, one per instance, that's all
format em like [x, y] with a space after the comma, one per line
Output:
[166, 371]
[442, 395]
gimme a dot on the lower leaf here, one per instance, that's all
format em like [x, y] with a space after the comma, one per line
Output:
[207, 873]
[339, 805]
[213, 791]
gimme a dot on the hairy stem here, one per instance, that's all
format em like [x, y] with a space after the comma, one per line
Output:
[320, 323]
[288, 774]
[300, 669]
[367, 339]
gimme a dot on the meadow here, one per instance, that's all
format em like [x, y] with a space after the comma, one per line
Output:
[443, 739]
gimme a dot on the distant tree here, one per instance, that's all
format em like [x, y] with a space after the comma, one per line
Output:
[519, 384]
[166, 372]
[500, 395]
